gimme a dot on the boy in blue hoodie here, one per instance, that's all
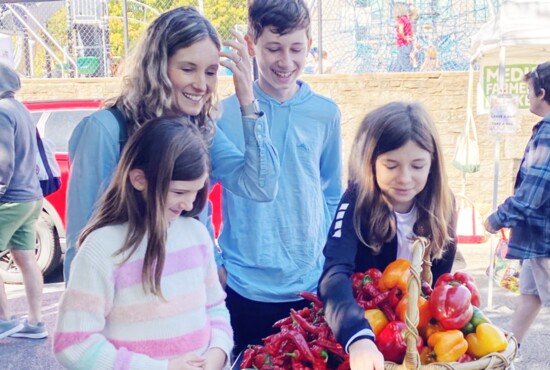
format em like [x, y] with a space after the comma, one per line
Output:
[271, 251]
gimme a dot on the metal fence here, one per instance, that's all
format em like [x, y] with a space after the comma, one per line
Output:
[89, 38]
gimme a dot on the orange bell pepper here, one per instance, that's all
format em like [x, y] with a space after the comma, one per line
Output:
[431, 327]
[395, 274]
[488, 338]
[377, 320]
[448, 345]
[427, 356]
[423, 310]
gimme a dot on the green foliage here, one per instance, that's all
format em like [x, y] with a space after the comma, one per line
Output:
[57, 27]
[224, 15]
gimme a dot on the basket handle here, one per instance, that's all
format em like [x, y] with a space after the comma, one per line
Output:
[420, 265]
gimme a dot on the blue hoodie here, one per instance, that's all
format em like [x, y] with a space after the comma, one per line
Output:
[94, 152]
[273, 250]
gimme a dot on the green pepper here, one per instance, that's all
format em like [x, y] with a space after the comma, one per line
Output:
[477, 318]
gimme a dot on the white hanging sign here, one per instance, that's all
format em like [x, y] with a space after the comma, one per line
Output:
[503, 112]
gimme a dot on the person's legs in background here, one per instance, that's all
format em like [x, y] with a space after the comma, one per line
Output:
[527, 309]
[403, 59]
[7, 326]
[534, 285]
[33, 281]
[4, 312]
[21, 241]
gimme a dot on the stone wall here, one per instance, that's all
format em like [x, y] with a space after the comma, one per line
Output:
[444, 94]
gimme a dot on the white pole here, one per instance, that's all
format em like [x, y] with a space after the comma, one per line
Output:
[494, 239]
[125, 19]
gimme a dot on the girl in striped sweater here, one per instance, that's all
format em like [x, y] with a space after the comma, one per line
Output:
[144, 291]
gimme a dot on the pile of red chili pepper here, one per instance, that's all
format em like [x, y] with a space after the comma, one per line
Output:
[452, 328]
[304, 342]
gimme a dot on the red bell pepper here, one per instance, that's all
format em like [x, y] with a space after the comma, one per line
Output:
[374, 275]
[451, 306]
[357, 283]
[461, 278]
[391, 342]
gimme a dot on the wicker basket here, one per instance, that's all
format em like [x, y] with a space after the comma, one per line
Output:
[421, 262]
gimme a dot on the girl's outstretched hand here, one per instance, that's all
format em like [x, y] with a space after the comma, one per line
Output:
[187, 362]
[364, 355]
[238, 61]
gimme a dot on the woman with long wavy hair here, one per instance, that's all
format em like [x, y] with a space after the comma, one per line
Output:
[172, 72]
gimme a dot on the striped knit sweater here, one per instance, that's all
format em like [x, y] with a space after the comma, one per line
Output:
[107, 321]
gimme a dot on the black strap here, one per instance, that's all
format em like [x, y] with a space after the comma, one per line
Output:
[123, 126]
[43, 155]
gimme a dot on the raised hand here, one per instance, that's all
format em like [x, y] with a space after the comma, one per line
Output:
[239, 62]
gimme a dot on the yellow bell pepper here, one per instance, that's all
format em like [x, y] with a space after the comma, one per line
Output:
[448, 345]
[487, 339]
[377, 320]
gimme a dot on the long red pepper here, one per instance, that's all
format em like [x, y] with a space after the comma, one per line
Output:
[375, 302]
[333, 347]
[313, 298]
[283, 321]
[301, 344]
[262, 359]
[386, 308]
[307, 326]
[248, 357]
[319, 352]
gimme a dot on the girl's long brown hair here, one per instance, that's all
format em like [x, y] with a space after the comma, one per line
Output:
[165, 149]
[382, 130]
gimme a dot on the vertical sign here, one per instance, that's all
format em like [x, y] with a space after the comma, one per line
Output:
[488, 86]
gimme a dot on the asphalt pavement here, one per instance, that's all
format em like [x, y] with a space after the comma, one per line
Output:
[28, 354]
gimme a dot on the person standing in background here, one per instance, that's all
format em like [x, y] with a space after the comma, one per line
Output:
[404, 39]
[527, 211]
[273, 250]
[172, 71]
[20, 205]
[431, 60]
